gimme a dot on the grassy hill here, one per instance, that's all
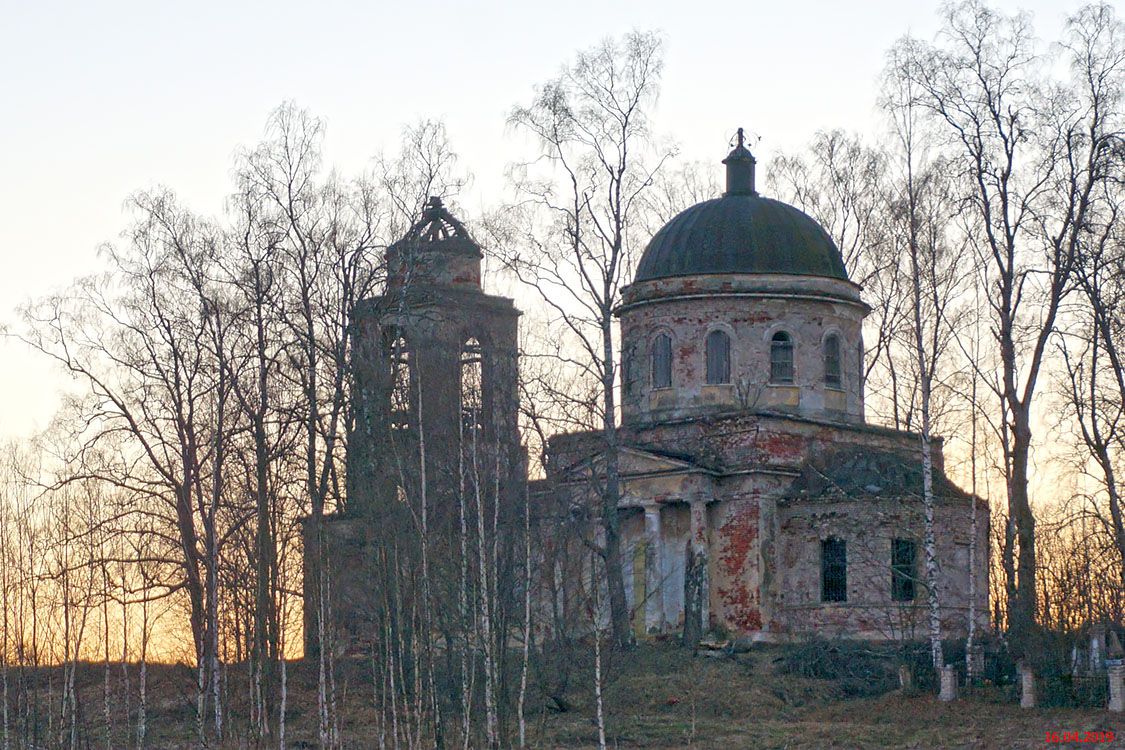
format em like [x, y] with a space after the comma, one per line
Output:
[665, 698]
[659, 697]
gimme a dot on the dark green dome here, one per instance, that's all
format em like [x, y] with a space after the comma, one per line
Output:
[741, 233]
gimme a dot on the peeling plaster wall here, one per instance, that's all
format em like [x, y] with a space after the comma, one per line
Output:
[750, 312]
[867, 527]
[736, 574]
[764, 546]
[743, 450]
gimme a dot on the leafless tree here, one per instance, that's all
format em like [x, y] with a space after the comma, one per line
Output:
[582, 195]
[136, 340]
[1033, 157]
[934, 275]
[1091, 348]
[842, 182]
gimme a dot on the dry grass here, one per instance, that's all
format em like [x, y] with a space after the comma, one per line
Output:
[661, 697]
[664, 698]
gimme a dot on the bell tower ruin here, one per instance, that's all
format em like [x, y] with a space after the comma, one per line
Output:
[434, 442]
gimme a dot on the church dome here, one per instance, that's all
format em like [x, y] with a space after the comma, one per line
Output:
[741, 233]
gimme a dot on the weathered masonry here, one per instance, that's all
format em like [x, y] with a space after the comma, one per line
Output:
[753, 488]
[435, 376]
[755, 497]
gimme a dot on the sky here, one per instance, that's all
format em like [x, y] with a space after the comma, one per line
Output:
[102, 99]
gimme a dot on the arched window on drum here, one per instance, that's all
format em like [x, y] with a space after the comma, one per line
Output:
[662, 361]
[833, 375]
[781, 358]
[718, 358]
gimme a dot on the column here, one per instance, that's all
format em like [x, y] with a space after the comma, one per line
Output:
[702, 562]
[654, 571]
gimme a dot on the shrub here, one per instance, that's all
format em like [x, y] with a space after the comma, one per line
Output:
[860, 668]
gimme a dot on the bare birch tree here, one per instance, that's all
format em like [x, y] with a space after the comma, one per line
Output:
[591, 124]
[934, 274]
[1033, 157]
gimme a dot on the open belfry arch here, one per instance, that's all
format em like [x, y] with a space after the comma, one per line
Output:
[436, 407]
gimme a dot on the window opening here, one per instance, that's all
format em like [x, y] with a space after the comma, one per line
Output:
[628, 371]
[662, 361]
[833, 570]
[781, 358]
[833, 378]
[718, 358]
[472, 400]
[904, 553]
[400, 359]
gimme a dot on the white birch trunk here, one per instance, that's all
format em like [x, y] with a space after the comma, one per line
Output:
[124, 643]
[333, 713]
[463, 596]
[5, 740]
[392, 687]
[105, 651]
[400, 669]
[435, 707]
[596, 617]
[378, 697]
[322, 642]
[5, 595]
[932, 571]
[213, 631]
[925, 359]
[598, 685]
[200, 703]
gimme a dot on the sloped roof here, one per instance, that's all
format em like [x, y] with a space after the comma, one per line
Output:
[859, 472]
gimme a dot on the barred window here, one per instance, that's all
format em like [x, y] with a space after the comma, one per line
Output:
[662, 361]
[904, 554]
[833, 570]
[718, 358]
[781, 358]
[832, 375]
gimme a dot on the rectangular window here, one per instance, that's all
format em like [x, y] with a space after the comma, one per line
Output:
[904, 554]
[833, 570]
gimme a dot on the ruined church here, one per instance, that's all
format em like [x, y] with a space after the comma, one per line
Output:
[754, 495]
